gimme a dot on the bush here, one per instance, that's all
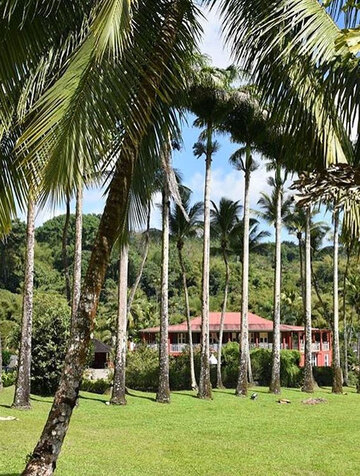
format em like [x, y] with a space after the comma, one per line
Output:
[6, 354]
[323, 376]
[99, 386]
[49, 341]
[8, 378]
[142, 370]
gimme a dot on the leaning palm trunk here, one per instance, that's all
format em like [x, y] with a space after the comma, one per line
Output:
[44, 457]
[22, 386]
[65, 259]
[205, 390]
[219, 382]
[77, 253]
[187, 308]
[143, 261]
[118, 396]
[308, 374]
[275, 386]
[163, 393]
[242, 384]
[337, 372]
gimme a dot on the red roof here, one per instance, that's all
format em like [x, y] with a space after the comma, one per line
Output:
[232, 323]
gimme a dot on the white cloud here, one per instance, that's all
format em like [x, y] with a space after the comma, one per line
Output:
[212, 43]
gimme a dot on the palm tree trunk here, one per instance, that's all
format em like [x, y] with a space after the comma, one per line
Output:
[302, 280]
[242, 384]
[44, 457]
[219, 383]
[163, 393]
[317, 291]
[1, 366]
[64, 253]
[22, 386]
[144, 258]
[337, 372]
[194, 385]
[77, 253]
[275, 386]
[346, 336]
[119, 389]
[205, 391]
[308, 374]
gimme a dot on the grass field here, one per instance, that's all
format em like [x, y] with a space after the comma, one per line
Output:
[226, 436]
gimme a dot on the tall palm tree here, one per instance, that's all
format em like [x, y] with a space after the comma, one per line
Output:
[243, 161]
[1, 366]
[145, 120]
[64, 247]
[163, 393]
[77, 252]
[255, 238]
[118, 396]
[224, 219]
[274, 209]
[22, 385]
[181, 229]
[337, 372]
[209, 100]
[308, 373]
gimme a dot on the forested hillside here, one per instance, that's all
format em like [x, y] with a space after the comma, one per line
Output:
[50, 279]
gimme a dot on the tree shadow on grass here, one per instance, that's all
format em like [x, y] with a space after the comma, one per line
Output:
[187, 395]
[5, 406]
[9, 474]
[41, 400]
[152, 399]
[96, 399]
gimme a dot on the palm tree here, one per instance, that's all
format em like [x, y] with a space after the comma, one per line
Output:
[255, 238]
[163, 393]
[145, 120]
[337, 372]
[144, 258]
[308, 374]
[1, 366]
[64, 253]
[118, 396]
[224, 220]
[181, 229]
[243, 161]
[22, 385]
[77, 253]
[209, 100]
[274, 209]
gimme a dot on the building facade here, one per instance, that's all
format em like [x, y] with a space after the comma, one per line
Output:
[260, 336]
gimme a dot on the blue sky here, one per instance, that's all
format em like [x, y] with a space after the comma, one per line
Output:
[225, 180]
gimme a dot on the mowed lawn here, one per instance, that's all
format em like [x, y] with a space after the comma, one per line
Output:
[225, 436]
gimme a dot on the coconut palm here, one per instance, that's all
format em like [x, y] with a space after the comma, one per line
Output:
[209, 100]
[1, 365]
[274, 209]
[224, 219]
[256, 237]
[22, 384]
[243, 161]
[143, 113]
[181, 229]
[76, 290]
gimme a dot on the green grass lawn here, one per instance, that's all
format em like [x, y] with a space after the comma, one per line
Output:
[226, 436]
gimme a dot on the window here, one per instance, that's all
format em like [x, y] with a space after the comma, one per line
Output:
[326, 360]
[213, 338]
[263, 337]
[314, 360]
[181, 338]
[233, 336]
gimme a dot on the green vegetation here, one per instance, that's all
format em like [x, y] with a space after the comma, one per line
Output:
[227, 436]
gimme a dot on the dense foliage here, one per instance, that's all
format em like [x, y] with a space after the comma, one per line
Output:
[50, 282]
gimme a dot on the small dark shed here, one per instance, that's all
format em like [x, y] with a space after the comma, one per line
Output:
[101, 353]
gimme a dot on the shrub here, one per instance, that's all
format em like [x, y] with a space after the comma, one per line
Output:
[8, 378]
[142, 370]
[99, 386]
[50, 335]
[6, 354]
[323, 376]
